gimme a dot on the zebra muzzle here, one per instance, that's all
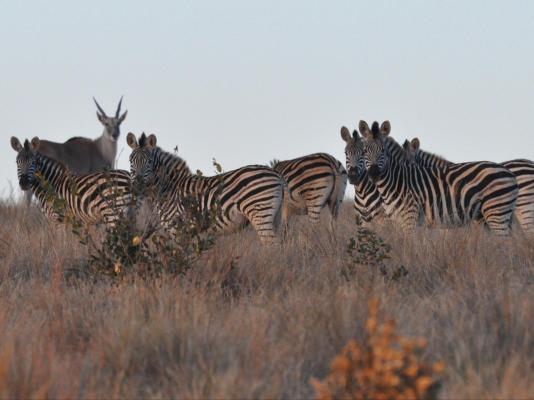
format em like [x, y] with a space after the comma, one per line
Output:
[353, 176]
[374, 171]
[25, 182]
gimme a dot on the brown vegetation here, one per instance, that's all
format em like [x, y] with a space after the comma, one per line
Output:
[385, 366]
[256, 322]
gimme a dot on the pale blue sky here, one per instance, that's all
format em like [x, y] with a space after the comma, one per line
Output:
[247, 81]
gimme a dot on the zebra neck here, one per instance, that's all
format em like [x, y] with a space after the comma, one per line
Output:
[395, 182]
[170, 170]
[364, 187]
[48, 185]
[395, 150]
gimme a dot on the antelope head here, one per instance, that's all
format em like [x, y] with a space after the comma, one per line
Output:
[111, 124]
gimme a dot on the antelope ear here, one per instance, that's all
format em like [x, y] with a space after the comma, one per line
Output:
[415, 144]
[123, 117]
[100, 117]
[35, 143]
[345, 134]
[152, 140]
[364, 130]
[385, 128]
[15, 144]
[131, 140]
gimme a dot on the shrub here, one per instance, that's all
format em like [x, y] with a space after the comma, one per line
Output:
[146, 251]
[369, 249]
[384, 366]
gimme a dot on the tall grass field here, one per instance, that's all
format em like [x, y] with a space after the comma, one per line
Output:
[252, 321]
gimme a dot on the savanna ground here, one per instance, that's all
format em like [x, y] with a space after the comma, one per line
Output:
[257, 322]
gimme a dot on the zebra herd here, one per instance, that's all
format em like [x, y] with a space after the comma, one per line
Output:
[414, 186]
[404, 183]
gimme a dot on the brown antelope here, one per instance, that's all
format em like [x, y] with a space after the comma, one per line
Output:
[83, 155]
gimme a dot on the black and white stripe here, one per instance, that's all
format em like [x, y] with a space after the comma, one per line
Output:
[522, 169]
[90, 198]
[452, 195]
[251, 194]
[368, 203]
[313, 182]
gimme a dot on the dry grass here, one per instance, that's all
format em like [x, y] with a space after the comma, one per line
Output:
[253, 322]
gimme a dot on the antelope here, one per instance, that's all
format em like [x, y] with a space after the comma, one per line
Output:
[83, 155]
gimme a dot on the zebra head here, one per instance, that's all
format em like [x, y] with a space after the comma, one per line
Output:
[112, 125]
[353, 155]
[411, 150]
[26, 161]
[142, 157]
[375, 151]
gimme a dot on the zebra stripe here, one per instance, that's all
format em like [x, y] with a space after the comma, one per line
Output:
[522, 169]
[313, 182]
[251, 194]
[452, 196]
[91, 198]
[524, 173]
[368, 203]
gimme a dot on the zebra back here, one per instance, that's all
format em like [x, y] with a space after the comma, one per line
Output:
[522, 169]
[313, 182]
[90, 198]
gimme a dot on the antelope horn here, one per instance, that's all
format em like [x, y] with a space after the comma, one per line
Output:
[99, 108]
[119, 108]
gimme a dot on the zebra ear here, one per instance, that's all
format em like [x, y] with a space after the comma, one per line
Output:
[345, 134]
[15, 144]
[131, 140]
[364, 130]
[385, 128]
[415, 144]
[152, 140]
[35, 143]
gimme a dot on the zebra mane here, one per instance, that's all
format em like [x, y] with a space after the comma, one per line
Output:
[142, 139]
[430, 159]
[27, 145]
[375, 129]
[395, 149]
[175, 161]
[43, 158]
[274, 162]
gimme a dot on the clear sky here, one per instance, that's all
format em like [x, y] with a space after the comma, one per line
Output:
[248, 81]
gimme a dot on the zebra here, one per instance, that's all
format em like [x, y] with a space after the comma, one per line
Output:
[313, 182]
[90, 198]
[83, 155]
[451, 196]
[251, 194]
[368, 203]
[522, 169]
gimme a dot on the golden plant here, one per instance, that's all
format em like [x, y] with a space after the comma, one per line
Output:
[384, 366]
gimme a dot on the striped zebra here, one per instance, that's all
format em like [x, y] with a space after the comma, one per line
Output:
[522, 169]
[252, 194]
[313, 182]
[91, 198]
[451, 196]
[368, 203]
